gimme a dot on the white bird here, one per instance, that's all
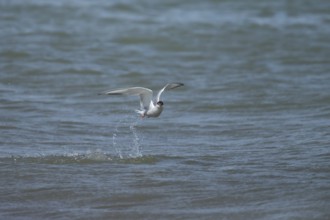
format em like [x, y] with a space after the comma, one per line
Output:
[148, 108]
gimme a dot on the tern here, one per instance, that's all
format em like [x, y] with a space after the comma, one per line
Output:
[148, 107]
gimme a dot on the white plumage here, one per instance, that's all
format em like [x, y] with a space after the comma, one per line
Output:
[148, 108]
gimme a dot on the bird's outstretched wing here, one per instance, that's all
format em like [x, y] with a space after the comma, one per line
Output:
[144, 93]
[167, 87]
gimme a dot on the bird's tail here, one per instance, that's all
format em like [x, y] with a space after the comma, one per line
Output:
[140, 112]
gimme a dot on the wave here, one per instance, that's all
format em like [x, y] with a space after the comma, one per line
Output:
[78, 158]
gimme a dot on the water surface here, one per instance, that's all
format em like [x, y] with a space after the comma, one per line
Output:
[247, 137]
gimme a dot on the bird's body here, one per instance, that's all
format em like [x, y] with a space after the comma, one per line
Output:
[151, 112]
[148, 108]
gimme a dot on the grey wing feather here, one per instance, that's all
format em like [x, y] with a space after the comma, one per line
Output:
[144, 93]
[168, 87]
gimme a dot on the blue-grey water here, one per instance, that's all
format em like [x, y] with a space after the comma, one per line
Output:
[247, 137]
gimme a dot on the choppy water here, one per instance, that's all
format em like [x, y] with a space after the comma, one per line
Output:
[248, 136]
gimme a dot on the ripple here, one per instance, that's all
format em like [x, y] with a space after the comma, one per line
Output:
[83, 159]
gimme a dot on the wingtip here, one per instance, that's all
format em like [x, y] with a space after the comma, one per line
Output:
[178, 83]
[103, 93]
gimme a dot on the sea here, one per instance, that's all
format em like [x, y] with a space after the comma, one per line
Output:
[246, 137]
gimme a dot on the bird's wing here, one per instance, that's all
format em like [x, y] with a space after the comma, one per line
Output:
[144, 93]
[168, 87]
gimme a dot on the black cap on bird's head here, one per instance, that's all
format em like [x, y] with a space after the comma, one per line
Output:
[160, 103]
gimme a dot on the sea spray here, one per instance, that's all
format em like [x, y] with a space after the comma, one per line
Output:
[125, 138]
[135, 147]
[114, 140]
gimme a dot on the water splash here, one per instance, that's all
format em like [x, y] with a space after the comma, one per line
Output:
[114, 140]
[125, 138]
[136, 141]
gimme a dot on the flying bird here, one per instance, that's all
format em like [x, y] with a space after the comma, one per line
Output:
[148, 107]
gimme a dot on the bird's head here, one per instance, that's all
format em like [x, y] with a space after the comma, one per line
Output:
[160, 103]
